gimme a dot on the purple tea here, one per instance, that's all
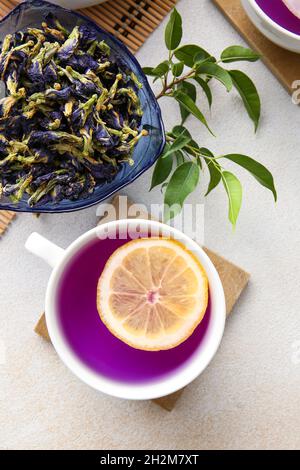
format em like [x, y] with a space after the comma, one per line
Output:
[278, 12]
[89, 338]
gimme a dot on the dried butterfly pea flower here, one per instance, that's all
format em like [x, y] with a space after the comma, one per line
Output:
[58, 95]
[6, 58]
[43, 190]
[54, 33]
[82, 62]
[87, 34]
[3, 144]
[91, 75]
[70, 45]
[16, 191]
[15, 95]
[6, 45]
[48, 137]
[53, 22]
[87, 149]
[40, 38]
[35, 71]
[51, 125]
[76, 77]
[114, 120]
[50, 73]
[70, 117]
[58, 175]
[43, 155]
[104, 138]
[135, 80]
[104, 48]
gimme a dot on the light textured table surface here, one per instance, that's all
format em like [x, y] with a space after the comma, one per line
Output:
[249, 396]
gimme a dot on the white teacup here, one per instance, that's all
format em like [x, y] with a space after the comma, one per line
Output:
[269, 28]
[89, 349]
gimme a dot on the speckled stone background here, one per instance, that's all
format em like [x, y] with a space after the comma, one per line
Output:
[249, 396]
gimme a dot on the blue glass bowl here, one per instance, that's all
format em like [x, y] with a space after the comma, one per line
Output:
[31, 13]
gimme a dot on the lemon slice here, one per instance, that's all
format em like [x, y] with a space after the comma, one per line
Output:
[152, 293]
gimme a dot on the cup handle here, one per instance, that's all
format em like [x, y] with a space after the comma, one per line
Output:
[44, 249]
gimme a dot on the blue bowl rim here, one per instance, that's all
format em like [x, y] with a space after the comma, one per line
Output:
[142, 77]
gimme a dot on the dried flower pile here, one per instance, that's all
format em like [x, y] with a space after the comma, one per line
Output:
[70, 117]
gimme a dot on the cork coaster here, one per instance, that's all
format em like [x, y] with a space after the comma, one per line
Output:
[234, 280]
[284, 64]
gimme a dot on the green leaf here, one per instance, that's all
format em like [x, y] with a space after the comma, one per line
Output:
[234, 192]
[192, 148]
[178, 144]
[201, 57]
[190, 90]
[190, 106]
[173, 32]
[179, 157]
[259, 171]
[148, 71]
[158, 71]
[214, 170]
[206, 152]
[162, 169]
[187, 53]
[177, 69]
[215, 71]
[183, 182]
[237, 53]
[161, 69]
[205, 88]
[215, 177]
[163, 186]
[248, 93]
[177, 130]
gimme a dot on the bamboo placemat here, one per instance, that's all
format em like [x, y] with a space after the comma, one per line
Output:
[284, 64]
[131, 21]
[5, 219]
[234, 280]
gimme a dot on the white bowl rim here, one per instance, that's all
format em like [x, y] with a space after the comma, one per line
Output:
[147, 390]
[273, 23]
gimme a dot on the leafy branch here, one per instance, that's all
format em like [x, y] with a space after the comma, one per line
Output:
[188, 69]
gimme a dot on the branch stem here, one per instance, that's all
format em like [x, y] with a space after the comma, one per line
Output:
[198, 153]
[174, 82]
